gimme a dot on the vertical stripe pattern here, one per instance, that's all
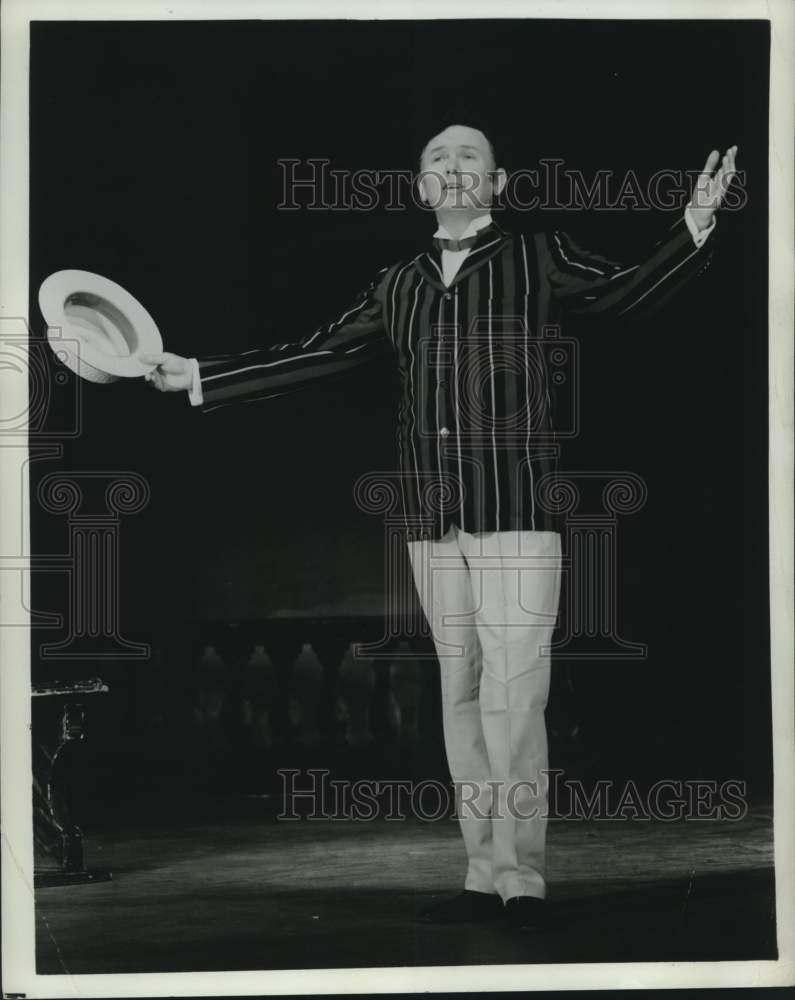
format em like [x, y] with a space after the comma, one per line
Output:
[475, 422]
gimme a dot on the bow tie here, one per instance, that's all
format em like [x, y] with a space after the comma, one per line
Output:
[444, 244]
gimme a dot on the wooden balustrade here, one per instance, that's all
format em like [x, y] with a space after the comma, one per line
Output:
[227, 706]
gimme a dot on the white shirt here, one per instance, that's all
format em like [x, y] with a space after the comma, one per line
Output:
[451, 264]
[453, 259]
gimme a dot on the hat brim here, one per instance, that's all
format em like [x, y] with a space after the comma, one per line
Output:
[96, 327]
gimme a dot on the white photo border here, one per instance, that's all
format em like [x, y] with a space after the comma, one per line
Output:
[18, 925]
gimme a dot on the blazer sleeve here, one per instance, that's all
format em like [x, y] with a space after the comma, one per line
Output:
[357, 336]
[586, 284]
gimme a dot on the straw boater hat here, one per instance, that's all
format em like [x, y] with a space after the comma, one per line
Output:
[96, 327]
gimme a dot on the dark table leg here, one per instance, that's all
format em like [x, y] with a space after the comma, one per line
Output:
[58, 732]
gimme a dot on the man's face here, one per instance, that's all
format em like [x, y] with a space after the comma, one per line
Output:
[457, 171]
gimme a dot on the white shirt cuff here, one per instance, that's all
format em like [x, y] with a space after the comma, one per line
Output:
[699, 235]
[195, 394]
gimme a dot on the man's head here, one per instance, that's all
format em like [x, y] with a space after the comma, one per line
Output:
[458, 172]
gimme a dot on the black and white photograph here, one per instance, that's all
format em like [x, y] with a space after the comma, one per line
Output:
[397, 523]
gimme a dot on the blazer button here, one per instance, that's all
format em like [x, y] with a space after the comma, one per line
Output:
[448, 295]
[443, 432]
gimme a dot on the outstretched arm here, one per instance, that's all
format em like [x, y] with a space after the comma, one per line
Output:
[586, 284]
[355, 337]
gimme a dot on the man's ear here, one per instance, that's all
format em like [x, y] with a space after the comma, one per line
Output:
[498, 180]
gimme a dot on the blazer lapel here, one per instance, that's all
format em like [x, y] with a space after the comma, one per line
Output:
[429, 265]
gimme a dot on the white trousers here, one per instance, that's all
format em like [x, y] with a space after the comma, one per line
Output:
[491, 601]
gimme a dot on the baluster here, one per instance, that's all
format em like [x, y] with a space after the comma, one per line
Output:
[282, 649]
[209, 701]
[258, 698]
[307, 682]
[356, 687]
[330, 648]
[406, 678]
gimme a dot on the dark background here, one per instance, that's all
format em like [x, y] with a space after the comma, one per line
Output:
[153, 162]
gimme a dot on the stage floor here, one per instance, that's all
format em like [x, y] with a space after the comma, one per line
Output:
[219, 883]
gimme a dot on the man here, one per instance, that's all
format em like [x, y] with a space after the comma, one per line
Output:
[475, 425]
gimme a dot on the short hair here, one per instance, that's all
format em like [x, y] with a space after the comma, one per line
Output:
[449, 121]
[488, 143]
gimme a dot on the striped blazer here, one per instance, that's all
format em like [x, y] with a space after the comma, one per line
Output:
[476, 434]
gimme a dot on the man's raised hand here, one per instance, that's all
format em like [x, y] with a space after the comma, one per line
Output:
[172, 374]
[711, 186]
